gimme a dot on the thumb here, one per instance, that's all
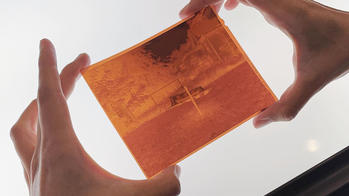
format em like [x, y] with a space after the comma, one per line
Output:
[287, 108]
[166, 182]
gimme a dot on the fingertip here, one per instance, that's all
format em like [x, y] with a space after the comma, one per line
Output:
[231, 4]
[264, 118]
[182, 16]
[47, 50]
[47, 56]
[83, 60]
[45, 43]
[259, 122]
[72, 72]
[184, 13]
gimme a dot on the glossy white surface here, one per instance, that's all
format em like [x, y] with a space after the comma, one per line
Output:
[244, 162]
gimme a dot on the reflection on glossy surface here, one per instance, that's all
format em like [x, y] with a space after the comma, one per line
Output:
[312, 145]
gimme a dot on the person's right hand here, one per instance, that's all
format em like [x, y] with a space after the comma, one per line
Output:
[321, 54]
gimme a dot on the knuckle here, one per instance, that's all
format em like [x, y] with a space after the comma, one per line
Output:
[15, 131]
[172, 187]
[289, 114]
[175, 188]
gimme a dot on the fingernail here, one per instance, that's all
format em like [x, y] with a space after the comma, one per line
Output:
[178, 171]
[79, 57]
[262, 122]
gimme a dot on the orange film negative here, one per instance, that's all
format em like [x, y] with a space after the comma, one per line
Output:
[178, 91]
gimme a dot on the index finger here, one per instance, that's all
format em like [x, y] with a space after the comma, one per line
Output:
[196, 5]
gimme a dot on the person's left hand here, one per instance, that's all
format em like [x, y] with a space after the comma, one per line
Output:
[54, 161]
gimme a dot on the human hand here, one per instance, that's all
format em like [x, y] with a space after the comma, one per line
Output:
[53, 159]
[320, 36]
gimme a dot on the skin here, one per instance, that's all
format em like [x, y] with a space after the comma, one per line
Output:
[320, 37]
[53, 159]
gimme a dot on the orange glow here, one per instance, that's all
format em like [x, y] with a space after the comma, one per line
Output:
[179, 90]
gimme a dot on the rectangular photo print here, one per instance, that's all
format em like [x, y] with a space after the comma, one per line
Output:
[178, 91]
